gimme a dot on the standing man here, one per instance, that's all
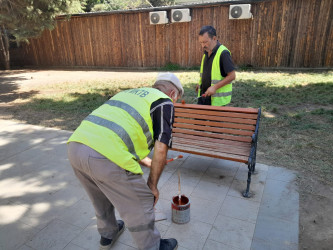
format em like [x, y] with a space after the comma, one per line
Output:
[217, 70]
[106, 151]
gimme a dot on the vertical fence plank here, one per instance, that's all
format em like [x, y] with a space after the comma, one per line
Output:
[284, 33]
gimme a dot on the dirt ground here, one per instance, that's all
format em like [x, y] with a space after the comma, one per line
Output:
[316, 199]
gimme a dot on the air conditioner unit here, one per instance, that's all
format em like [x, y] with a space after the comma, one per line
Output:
[158, 17]
[180, 15]
[240, 11]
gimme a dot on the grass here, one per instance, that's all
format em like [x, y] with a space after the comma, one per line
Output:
[175, 67]
[296, 126]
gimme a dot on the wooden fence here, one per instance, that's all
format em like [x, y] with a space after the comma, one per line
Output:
[282, 33]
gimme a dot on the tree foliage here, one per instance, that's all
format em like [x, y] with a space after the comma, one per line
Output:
[109, 5]
[116, 5]
[28, 18]
[77, 6]
[24, 19]
[89, 4]
[156, 3]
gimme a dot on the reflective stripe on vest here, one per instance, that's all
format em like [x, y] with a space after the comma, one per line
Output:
[115, 128]
[136, 115]
[121, 129]
[222, 95]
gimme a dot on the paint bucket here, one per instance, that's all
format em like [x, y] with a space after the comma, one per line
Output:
[180, 209]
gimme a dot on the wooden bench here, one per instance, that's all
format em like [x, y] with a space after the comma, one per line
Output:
[221, 132]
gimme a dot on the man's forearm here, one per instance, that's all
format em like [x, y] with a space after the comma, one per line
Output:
[158, 163]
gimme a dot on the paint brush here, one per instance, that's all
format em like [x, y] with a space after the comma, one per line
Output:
[202, 96]
[179, 192]
[172, 159]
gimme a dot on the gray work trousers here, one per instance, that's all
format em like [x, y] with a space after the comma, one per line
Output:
[110, 186]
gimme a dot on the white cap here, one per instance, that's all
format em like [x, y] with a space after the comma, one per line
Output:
[170, 77]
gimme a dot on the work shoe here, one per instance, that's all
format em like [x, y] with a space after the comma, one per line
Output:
[106, 244]
[168, 244]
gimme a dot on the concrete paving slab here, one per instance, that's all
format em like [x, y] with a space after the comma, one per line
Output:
[214, 189]
[23, 233]
[191, 235]
[40, 215]
[234, 232]
[204, 210]
[258, 244]
[276, 232]
[214, 245]
[278, 219]
[16, 138]
[238, 187]
[25, 247]
[44, 206]
[56, 235]
[165, 206]
[275, 189]
[281, 174]
[282, 207]
[81, 214]
[189, 180]
[87, 238]
[259, 176]
[198, 164]
[71, 246]
[221, 171]
[234, 207]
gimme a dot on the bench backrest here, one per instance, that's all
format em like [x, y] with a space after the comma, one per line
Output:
[220, 132]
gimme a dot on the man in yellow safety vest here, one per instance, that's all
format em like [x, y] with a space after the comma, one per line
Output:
[217, 70]
[106, 152]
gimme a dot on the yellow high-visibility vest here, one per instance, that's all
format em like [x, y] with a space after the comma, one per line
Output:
[223, 95]
[121, 129]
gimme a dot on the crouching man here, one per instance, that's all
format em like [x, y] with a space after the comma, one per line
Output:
[106, 151]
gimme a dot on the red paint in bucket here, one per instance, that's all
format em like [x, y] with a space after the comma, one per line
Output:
[180, 209]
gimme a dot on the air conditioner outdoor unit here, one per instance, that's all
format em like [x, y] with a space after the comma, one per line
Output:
[180, 15]
[158, 17]
[240, 11]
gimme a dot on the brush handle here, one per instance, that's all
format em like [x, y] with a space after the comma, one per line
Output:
[179, 183]
[172, 159]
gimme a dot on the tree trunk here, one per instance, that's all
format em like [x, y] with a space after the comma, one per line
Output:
[4, 47]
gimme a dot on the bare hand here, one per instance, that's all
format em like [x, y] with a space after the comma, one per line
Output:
[155, 192]
[210, 91]
[146, 162]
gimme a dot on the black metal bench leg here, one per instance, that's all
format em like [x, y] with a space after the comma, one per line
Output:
[252, 159]
[253, 167]
[246, 193]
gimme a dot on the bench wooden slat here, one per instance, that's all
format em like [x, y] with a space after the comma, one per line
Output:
[213, 135]
[213, 129]
[216, 113]
[209, 153]
[216, 118]
[209, 139]
[214, 146]
[216, 124]
[208, 107]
